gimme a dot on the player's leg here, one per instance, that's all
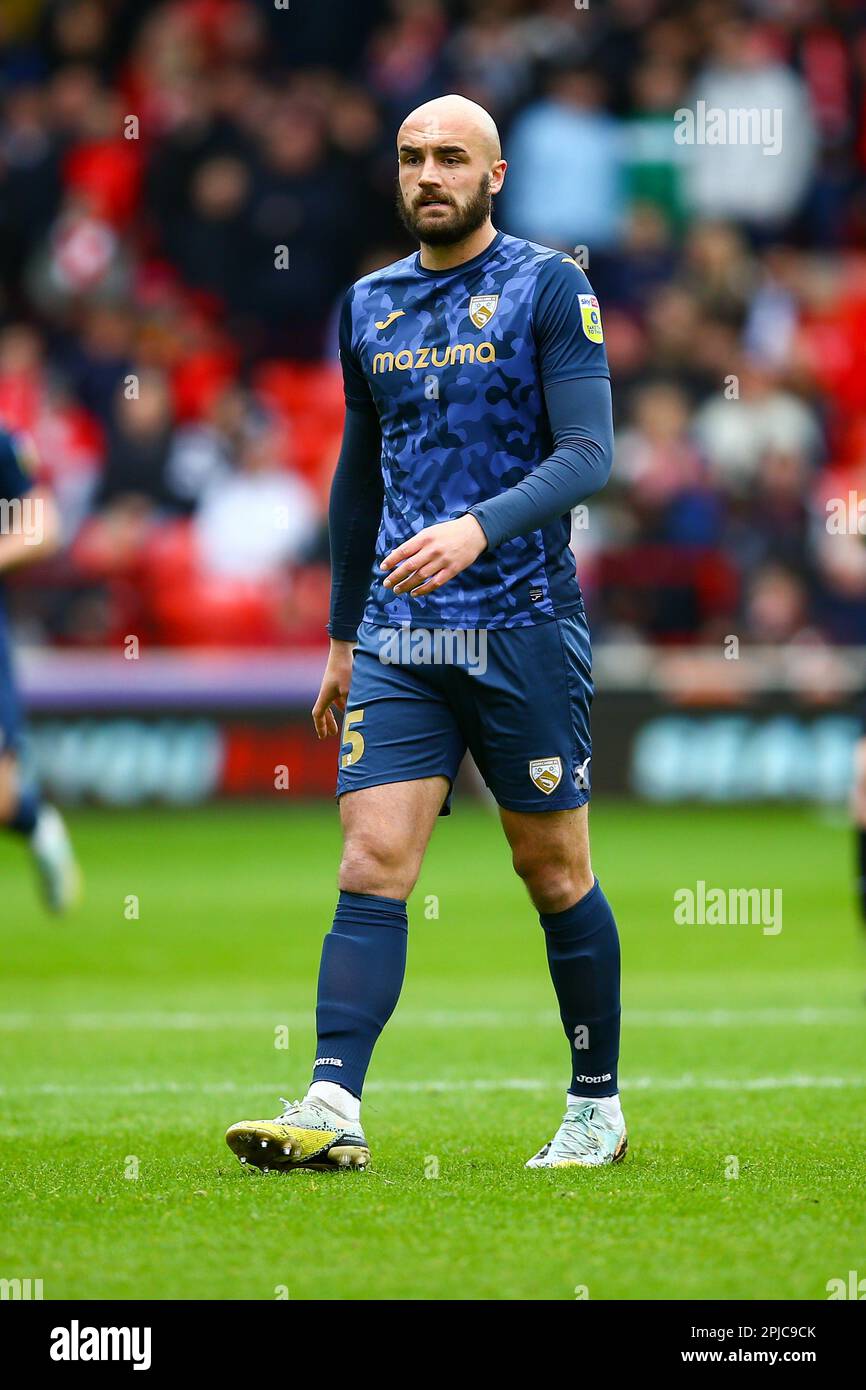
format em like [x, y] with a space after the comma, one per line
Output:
[386, 830]
[385, 833]
[551, 854]
[528, 727]
[400, 753]
[19, 804]
[40, 827]
[18, 809]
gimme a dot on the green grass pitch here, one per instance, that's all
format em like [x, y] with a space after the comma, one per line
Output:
[130, 1045]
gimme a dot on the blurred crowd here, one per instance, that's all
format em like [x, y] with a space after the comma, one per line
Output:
[188, 187]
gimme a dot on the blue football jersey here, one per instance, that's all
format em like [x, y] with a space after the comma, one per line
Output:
[455, 363]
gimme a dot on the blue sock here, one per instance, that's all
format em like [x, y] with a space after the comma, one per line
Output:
[583, 955]
[360, 978]
[26, 814]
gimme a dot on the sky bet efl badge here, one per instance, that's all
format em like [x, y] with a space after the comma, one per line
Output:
[546, 773]
[591, 315]
[482, 307]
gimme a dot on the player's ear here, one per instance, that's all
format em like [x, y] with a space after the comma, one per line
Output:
[497, 175]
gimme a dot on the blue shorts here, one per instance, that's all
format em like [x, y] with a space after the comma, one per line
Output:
[518, 698]
[11, 714]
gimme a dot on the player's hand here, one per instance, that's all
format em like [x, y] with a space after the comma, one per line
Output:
[434, 556]
[334, 689]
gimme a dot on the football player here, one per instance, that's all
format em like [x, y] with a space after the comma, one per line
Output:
[29, 531]
[478, 415]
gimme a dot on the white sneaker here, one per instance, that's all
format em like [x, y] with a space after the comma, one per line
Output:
[59, 874]
[592, 1133]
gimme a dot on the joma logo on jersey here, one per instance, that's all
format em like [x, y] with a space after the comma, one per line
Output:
[429, 356]
[386, 323]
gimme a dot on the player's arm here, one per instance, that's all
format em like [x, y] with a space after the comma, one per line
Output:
[354, 514]
[30, 528]
[38, 538]
[576, 383]
[581, 422]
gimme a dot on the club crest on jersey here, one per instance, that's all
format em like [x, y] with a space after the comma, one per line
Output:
[546, 773]
[482, 307]
[591, 316]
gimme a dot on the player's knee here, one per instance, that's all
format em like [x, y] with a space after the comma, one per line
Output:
[370, 866]
[554, 882]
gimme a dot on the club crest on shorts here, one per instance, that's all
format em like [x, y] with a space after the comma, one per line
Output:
[482, 307]
[546, 773]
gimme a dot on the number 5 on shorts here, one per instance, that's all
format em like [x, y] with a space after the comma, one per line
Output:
[353, 737]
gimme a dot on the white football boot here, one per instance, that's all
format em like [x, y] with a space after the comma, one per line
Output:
[53, 855]
[592, 1133]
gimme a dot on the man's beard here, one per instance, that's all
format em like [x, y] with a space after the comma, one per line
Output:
[457, 226]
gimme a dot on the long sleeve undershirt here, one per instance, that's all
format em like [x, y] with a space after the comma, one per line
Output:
[354, 513]
[581, 424]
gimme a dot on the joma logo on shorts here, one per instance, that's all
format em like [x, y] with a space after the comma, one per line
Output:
[429, 356]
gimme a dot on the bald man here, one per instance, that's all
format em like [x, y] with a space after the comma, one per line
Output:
[478, 415]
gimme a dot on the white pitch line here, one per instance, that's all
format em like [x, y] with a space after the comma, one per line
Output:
[688, 1082]
[184, 1021]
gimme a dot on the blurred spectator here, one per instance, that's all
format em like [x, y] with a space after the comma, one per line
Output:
[492, 58]
[211, 242]
[763, 179]
[565, 184]
[736, 433]
[659, 466]
[777, 606]
[253, 521]
[654, 163]
[139, 438]
[202, 452]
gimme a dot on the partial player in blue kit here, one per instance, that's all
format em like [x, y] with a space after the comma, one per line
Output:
[29, 530]
[478, 415]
